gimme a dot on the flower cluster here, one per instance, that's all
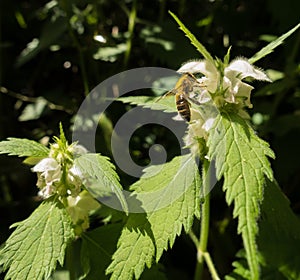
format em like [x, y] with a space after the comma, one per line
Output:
[223, 89]
[58, 175]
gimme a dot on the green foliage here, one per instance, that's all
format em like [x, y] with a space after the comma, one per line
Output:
[34, 111]
[49, 35]
[102, 178]
[241, 158]
[166, 104]
[193, 39]
[38, 243]
[240, 271]
[270, 48]
[146, 235]
[23, 148]
[97, 248]
[279, 225]
[50, 60]
[110, 54]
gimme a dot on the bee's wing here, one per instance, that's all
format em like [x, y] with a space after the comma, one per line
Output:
[171, 92]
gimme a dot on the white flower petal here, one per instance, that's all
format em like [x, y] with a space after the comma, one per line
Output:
[75, 171]
[201, 66]
[193, 67]
[47, 192]
[79, 150]
[204, 97]
[87, 202]
[45, 164]
[48, 172]
[246, 69]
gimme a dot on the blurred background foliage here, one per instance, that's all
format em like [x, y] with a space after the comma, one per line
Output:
[52, 53]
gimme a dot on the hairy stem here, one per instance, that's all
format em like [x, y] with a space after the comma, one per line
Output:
[204, 223]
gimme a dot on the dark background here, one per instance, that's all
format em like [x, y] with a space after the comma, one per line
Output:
[41, 87]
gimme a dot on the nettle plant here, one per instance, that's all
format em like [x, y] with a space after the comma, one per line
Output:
[219, 136]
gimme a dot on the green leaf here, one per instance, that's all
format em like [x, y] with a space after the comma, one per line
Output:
[110, 53]
[103, 179]
[34, 111]
[240, 271]
[50, 34]
[241, 158]
[166, 104]
[23, 148]
[283, 259]
[270, 47]
[193, 40]
[135, 249]
[38, 243]
[97, 249]
[146, 235]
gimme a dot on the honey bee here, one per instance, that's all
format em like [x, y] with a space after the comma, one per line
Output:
[183, 88]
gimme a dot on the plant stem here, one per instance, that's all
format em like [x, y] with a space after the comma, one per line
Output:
[204, 223]
[194, 238]
[131, 25]
[211, 267]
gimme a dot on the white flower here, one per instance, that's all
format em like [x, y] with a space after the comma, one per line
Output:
[49, 172]
[198, 128]
[79, 208]
[78, 150]
[245, 69]
[231, 86]
[75, 180]
[211, 74]
[221, 86]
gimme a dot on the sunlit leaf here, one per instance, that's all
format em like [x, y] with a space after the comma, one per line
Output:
[23, 148]
[38, 243]
[34, 111]
[270, 47]
[166, 104]
[146, 235]
[110, 53]
[102, 178]
[241, 157]
[193, 39]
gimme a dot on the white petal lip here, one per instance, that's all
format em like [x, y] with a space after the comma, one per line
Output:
[239, 65]
[201, 66]
[192, 67]
[79, 149]
[246, 69]
[74, 170]
[46, 164]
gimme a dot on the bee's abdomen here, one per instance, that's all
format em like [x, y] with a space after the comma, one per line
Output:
[183, 107]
